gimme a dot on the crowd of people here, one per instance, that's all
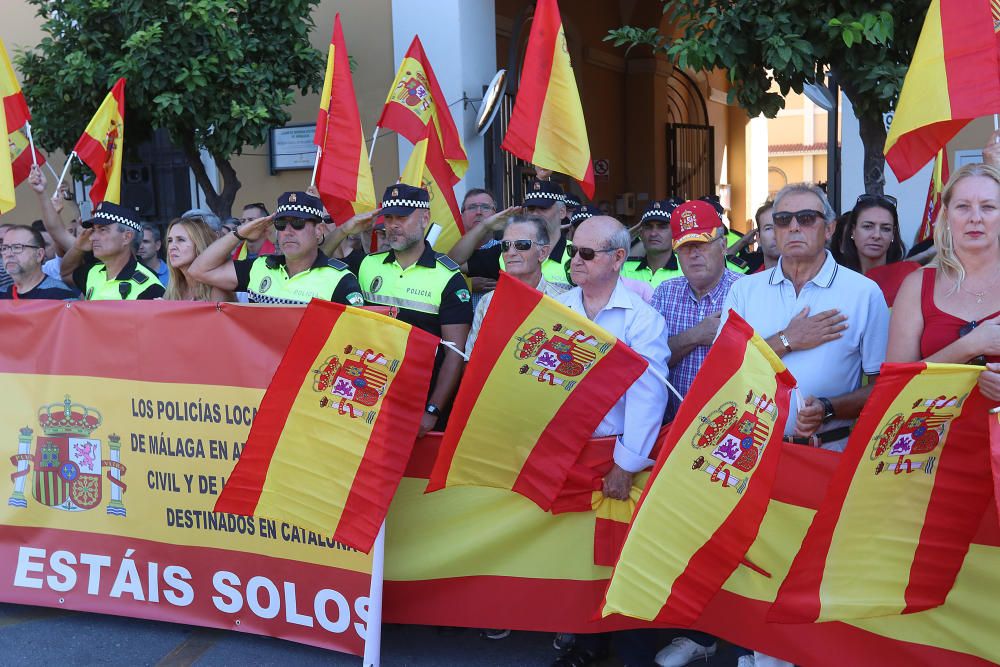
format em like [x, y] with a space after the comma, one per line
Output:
[816, 287]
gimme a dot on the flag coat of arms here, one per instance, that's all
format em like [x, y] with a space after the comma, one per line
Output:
[343, 175]
[954, 78]
[414, 100]
[547, 127]
[903, 506]
[703, 505]
[428, 169]
[540, 380]
[336, 425]
[101, 145]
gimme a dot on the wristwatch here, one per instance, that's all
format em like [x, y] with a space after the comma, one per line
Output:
[432, 409]
[236, 233]
[827, 409]
[784, 341]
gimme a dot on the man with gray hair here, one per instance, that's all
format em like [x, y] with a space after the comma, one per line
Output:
[525, 246]
[829, 324]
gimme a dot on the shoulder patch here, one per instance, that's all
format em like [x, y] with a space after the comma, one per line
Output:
[446, 261]
[336, 264]
[271, 261]
[140, 277]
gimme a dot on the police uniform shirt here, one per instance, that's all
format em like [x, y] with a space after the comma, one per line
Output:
[134, 282]
[486, 263]
[636, 268]
[429, 293]
[266, 280]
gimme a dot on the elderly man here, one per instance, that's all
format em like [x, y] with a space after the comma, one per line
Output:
[525, 246]
[102, 262]
[302, 273]
[22, 252]
[827, 323]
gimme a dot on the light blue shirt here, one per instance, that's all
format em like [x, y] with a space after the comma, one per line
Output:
[637, 416]
[768, 302]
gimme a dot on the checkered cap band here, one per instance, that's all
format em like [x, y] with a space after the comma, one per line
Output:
[301, 208]
[120, 219]
[545, 195]
[409, 203]
[660, 213]
[580, 216]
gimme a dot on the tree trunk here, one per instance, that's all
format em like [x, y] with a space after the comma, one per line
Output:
[872, 131]
[220, 203]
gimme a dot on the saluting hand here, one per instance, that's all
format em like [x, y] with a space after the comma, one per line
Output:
[256, 229]
[498, 220]
[83, 242]
[361, 223]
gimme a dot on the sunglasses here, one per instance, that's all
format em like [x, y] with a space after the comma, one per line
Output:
[297, 224]
[586, 254]
[885, 200]
[806, 218]
[519, 244]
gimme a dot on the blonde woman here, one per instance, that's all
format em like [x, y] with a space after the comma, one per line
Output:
[186, 239]
[950, 310]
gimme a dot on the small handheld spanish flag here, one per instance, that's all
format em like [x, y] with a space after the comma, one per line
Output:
[336, 426]
[101, 146]
[428, 169]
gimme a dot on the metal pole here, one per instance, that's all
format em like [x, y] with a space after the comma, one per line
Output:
[373, 629]
[371, 151]
[319, 152]
[31, 142]
[62, 176]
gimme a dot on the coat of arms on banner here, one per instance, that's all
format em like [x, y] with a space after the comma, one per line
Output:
[414, 92]
[733, 439]
[357, 383]
[557, 358]
[904, 443]
[67, 462]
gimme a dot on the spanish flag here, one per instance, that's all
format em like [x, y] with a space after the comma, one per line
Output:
[995, 453]
[16, 117]
[904, 504]
[540, 380]
[954, 77]
[336, 425]
[343, 176]
[932, 207]
[711, 484]
[428, 169]
[547, 127]
[7, 200]
[415, 99]
[100, 147]
[14, 105]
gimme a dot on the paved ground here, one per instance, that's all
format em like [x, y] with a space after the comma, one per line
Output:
[42, 636]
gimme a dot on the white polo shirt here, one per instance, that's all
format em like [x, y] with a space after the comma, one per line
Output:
[767, 301]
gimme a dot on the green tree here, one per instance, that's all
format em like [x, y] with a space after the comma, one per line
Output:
[865, 46]
[216, 74]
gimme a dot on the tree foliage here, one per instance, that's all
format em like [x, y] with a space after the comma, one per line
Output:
[865, 46]
[216, 74]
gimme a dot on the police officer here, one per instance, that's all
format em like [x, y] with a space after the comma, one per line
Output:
[426, 287]
[302, 273]
[545, 200]
[102, 264]
[660, 262]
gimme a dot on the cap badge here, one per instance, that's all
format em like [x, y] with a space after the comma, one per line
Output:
[656, 205]
[395, 192]
[537, 186]
[292, 198]
[688, 221]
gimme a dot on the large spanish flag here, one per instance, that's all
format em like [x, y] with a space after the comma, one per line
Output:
[540, 380]
[414, 100]
[336, 425]
[16, 117]
[547, 127]
[343, 176]
[903, 506]
[428, 169]
[100, 147]
[711, 484]
[954, 77]
[14, 105]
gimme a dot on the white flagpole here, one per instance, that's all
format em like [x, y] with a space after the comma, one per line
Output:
[31, 142]
[62, 176]
[319, 153]
[51, 170]
[371, 151]
[373, 629]
[996, 123]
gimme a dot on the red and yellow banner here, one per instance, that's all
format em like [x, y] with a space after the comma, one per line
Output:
[720, 457]
[547, 127]
[343, 176]
[101, 145]
[995, 453]
[904, 505]
[954, 78]
[932, 207]
[542, 375]
[428, 169]
[336, 425]
[415, 99]
[15, 107]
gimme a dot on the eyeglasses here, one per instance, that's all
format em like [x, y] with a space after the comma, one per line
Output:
[298, 224]
[16, 248]
[519, 244]
[806, 218]
[485, 208]
[886, 200]
[586, 254]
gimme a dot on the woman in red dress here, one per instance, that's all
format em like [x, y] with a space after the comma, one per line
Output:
[950, 311]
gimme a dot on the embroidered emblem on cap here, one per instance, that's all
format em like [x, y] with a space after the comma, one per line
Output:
[688, 220]
[395, 192]
[293, 198]
[538, 186]
[656, 205]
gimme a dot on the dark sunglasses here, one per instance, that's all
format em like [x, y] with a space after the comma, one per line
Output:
[806, 218]
[297, 224]
[519, 244]
[586, 254]
[885, 200]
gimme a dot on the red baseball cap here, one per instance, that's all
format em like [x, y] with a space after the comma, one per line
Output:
[694, 221]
